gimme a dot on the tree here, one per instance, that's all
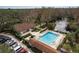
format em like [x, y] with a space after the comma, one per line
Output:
[71, 38]
[38, 19]
[77, 36]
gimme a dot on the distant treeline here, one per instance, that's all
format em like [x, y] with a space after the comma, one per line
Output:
[44, 13]
[13, 16]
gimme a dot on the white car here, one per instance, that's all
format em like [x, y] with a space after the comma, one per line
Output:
[17, 48]
[10, 42]
[15, 45]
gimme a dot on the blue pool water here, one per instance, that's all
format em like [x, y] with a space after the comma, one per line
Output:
[48, 38]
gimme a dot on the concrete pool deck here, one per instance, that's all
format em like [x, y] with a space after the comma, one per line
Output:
[41, 46]
[54, 44]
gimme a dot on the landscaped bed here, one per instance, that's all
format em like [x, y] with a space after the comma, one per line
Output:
[27, 35]
[36, 29]
[43, 26]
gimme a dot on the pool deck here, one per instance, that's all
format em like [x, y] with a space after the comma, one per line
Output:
[54, 44]
[35, 42]
[41, 46]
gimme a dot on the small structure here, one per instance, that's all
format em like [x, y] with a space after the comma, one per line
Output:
[23, 27]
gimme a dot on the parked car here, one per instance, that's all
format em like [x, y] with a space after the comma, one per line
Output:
[23, 50]
[15, 45]
[17, 48]
[3, 38]
[10, 42]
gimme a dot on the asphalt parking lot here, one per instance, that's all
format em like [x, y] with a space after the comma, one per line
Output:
[13, 42]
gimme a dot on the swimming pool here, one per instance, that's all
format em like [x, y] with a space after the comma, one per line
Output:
[48, 38]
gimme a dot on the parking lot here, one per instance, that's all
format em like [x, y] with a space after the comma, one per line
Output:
[15, 44]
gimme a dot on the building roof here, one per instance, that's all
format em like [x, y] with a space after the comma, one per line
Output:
[41, 46]
[22, 27]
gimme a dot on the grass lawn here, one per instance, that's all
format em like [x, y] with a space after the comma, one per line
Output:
[67, 47]
[76, 48]
[5, 49]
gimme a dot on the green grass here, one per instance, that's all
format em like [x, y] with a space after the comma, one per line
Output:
[67, 47]
[5, 49]
[76, 48]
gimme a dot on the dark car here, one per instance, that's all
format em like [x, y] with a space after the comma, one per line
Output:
[3, 38]
[21, 50]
